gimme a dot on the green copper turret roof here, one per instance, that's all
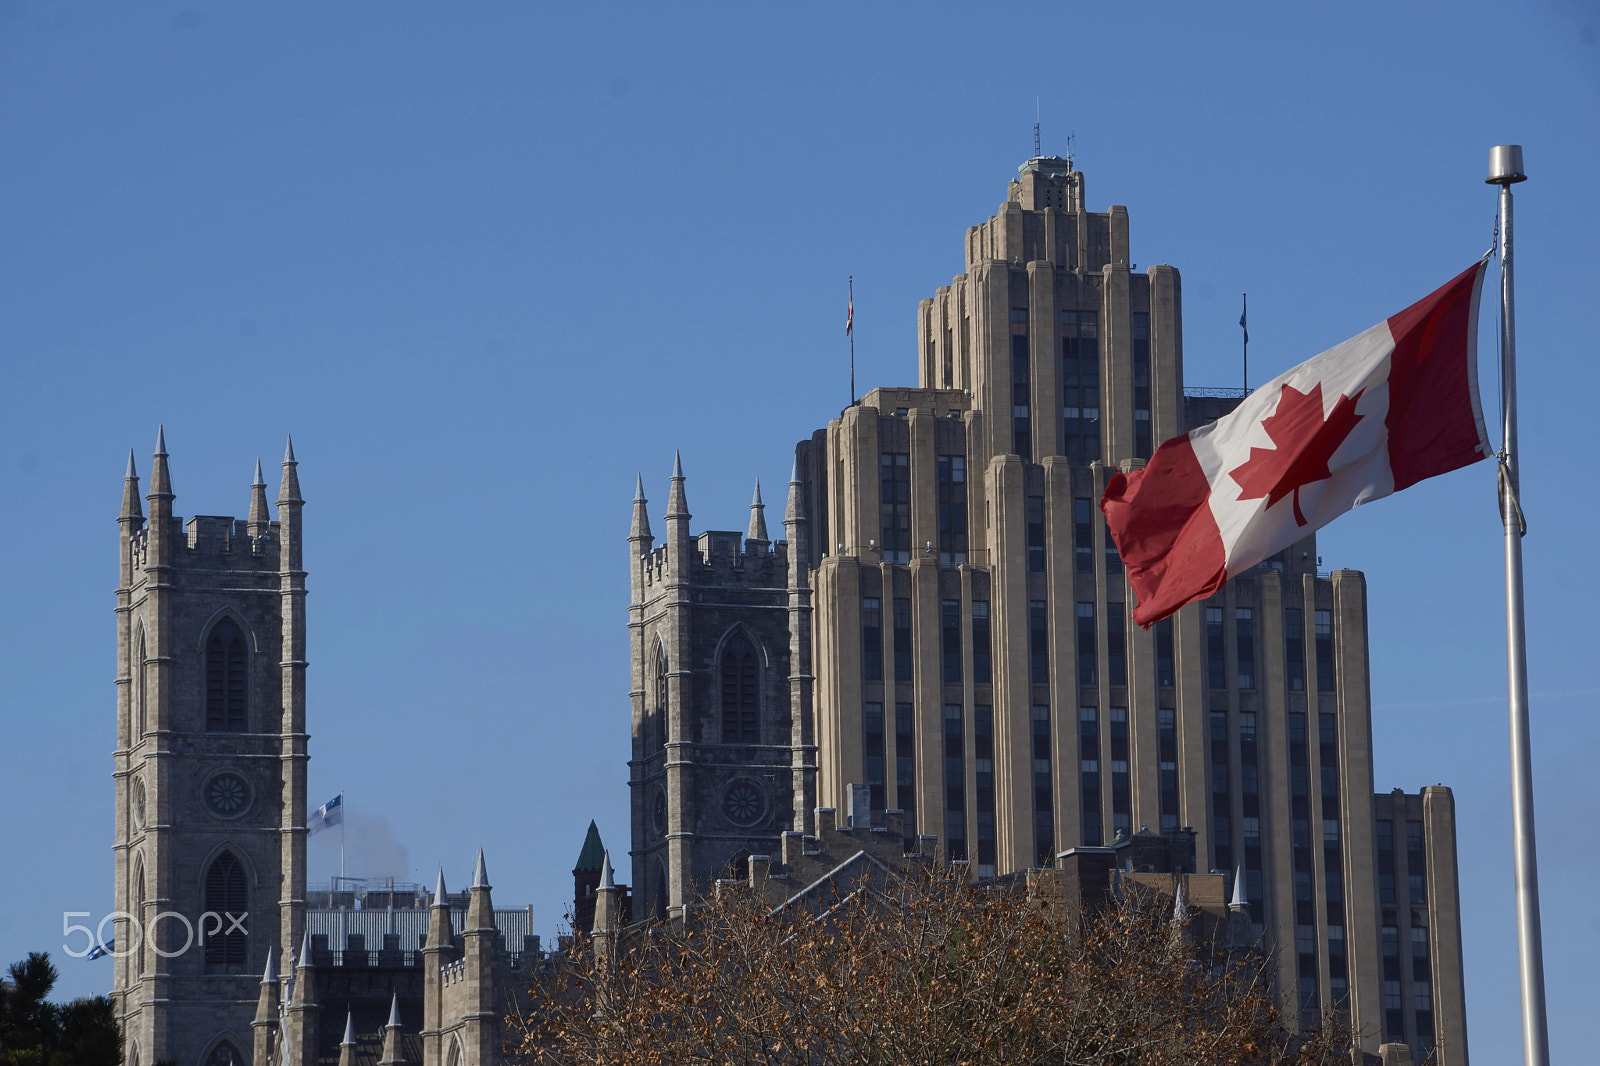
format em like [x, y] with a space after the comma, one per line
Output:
[593, 854]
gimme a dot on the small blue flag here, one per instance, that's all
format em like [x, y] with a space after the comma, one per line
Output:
[101, 950]
[326, 816]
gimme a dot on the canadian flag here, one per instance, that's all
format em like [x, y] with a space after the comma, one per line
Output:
[1378, 413]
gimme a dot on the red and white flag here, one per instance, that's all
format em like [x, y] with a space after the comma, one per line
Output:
[1378, 413]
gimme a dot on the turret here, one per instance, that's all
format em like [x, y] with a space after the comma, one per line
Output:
[439, 918]
[132, 514]
[678, 538]
[586, 880]
[480, 945]
[258, 521]
[794, 527]
[480, 911]
[299, 1043]
[292, 672]
[391, 1036]
[639, 532]
[435, 955]
[758, 520]
[160, 499]
[606, 912]
[265, 1024]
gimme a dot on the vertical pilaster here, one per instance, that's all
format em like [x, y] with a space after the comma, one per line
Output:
[294, 744]
[1008, 613]
[1166, 354]
[802, 727]
[1354, 701]
[1444, 925]
[676, 628]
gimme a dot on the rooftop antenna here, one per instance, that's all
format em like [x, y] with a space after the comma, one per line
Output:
[1036, 152]
[1071, 138]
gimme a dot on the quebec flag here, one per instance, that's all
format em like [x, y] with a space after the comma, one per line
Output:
[326, 816]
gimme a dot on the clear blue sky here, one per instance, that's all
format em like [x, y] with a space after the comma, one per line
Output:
[487, 261]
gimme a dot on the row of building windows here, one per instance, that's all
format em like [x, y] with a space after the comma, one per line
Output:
[1244, 645]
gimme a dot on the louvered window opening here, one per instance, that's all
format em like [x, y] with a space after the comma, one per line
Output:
[227, 894]
[740, 724]
[225, 684]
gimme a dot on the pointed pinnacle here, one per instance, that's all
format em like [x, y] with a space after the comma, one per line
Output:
[1238, 890]
[270, 976]
[638, 491]
[677, 465]
[349, 1029]
[756, 500]
[480, 876]
[439, 899]
[161, 440]
[606, 880]
[1180, 906]
[259, 479]
[288, 449]
[132, 474]
[794, 473]
[305, 950]
[394, 1012]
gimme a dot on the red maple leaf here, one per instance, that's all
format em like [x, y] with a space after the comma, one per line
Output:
[1305, 442]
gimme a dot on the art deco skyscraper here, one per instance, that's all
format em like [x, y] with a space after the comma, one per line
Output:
[957, 637]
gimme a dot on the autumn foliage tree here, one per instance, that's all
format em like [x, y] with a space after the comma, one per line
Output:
[929, 970]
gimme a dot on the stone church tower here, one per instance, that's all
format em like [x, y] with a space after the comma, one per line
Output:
[210, 767]
[723, 761]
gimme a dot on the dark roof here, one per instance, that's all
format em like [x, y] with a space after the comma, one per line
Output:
[593, 852]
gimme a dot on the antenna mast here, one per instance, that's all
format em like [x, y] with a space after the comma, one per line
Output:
[1036, 152]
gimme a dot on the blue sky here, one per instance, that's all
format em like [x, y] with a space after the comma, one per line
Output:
[487, 262]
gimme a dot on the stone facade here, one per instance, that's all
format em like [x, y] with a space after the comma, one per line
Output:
[959, 640]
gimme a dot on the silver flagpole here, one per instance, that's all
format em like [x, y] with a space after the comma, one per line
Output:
[1505, 170]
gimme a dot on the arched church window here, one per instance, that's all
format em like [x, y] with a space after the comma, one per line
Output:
[135, 936]
[658, 736]
[740, 721]
[225, 1054]
[139, 719]
[225, 683]
[227, 895]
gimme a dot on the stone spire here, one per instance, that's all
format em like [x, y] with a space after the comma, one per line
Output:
[132, 512]
[758, 517]
[480, 909]
[1180, 905]
[304, 978]
[391, 1036]
[677, 503]
[347, 1046]
[640, 531]
[606, 880]
[606, 911]
[160, 499]
[298, 1043]
[1238, 903]
[259, 519]
[266, 1019]
[480, 876]
[289, 487]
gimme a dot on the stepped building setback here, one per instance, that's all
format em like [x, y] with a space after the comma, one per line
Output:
[942, 642]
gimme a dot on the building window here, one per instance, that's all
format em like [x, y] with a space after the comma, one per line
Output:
[1385, 843]
[1216, 668]
[1294, 649]
[1324, 634]
[894, 507]
[1141, 385]
[955, 782]
[1089, 772]
[871, 638]
[1034, 506]
[1244, 625]
[1021, 420]
[740, 695]
[225, 1054]
[905, 763]
[1221, 805]
[1113, 559]
[1167, 756]
[1166, 671]
[657, 727]
[1080, 385]
[1044, 826]
[950, 639]
[982, 659]
[873, 752]
[1039, 642]
[1416, 868]
[1121, 811]
[902, 639]
[228, 894]
[1083, 535]
[983, 775]
[1116, 645]
[1087, 649]
[952, 509]
[225, 679]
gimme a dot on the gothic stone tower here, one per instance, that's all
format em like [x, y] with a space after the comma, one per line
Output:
[210, 767]
[721, 763]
